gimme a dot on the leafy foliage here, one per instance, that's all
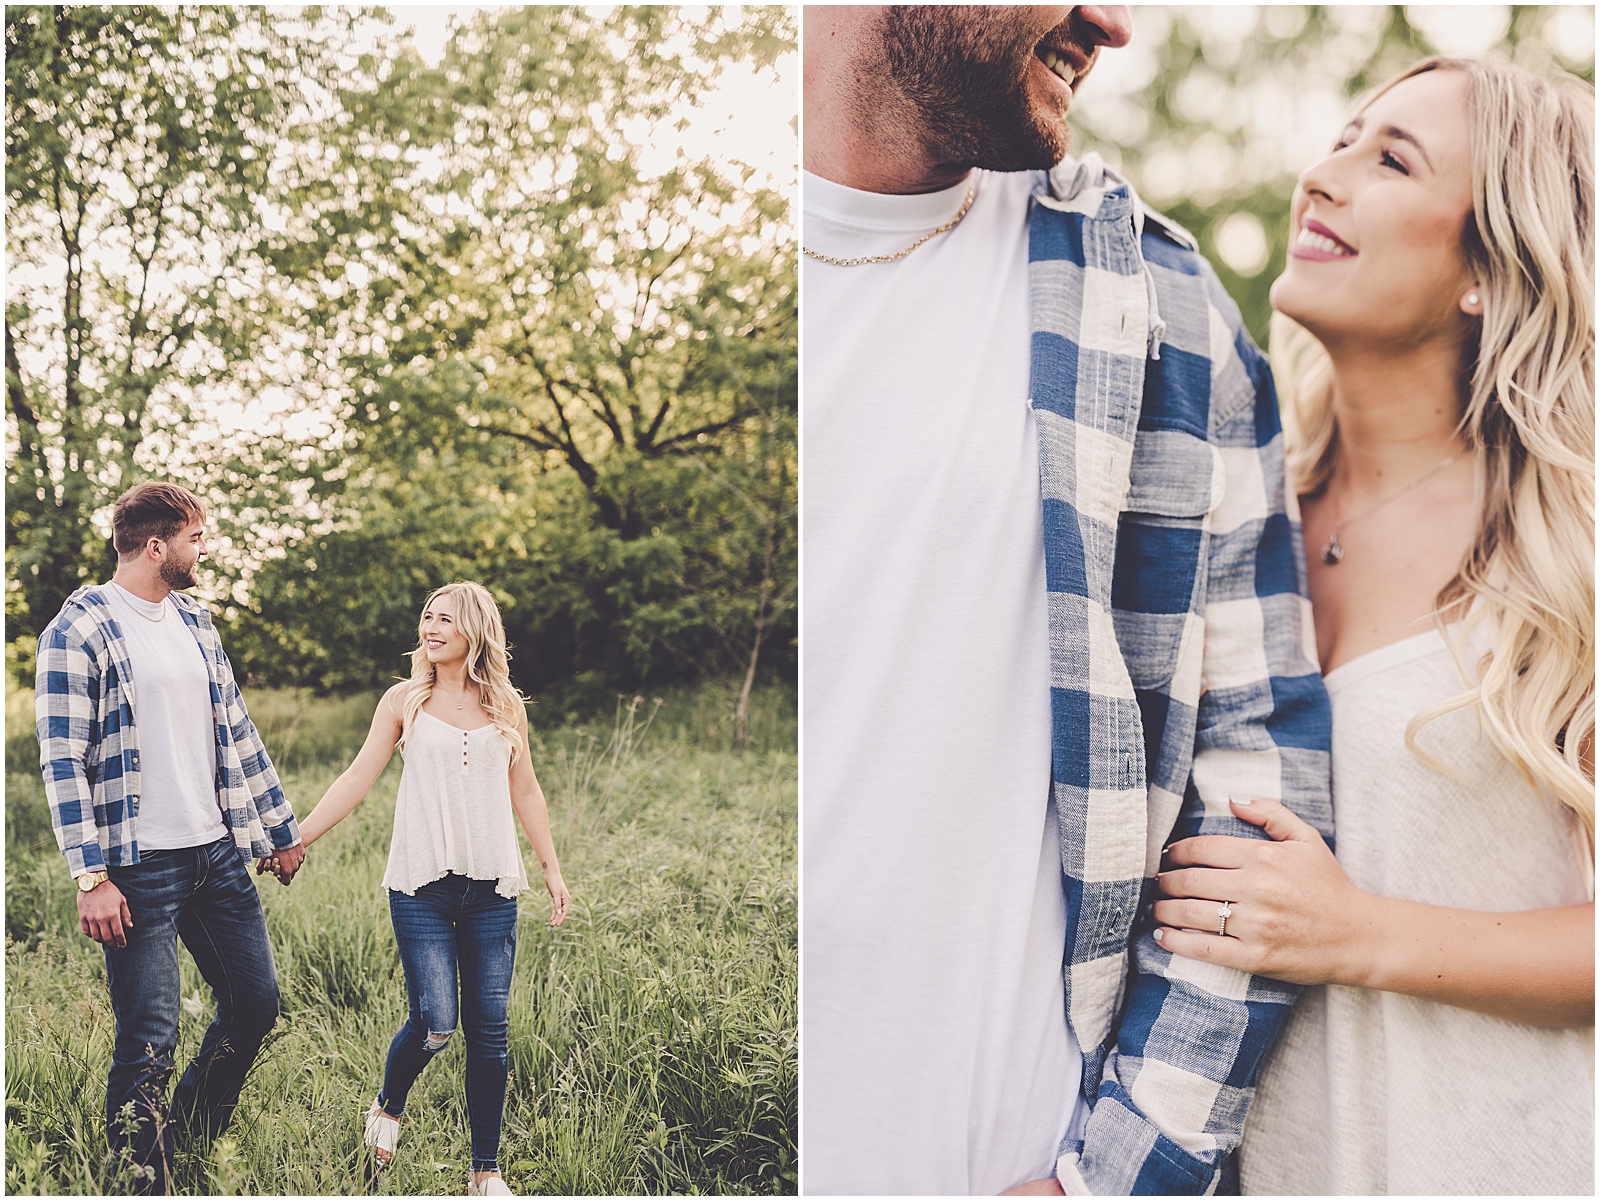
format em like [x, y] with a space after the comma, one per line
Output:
[520, 355]
[565, 376]
[138, 151]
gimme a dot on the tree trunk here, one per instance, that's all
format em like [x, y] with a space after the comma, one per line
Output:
[741, 711]
[743, 708]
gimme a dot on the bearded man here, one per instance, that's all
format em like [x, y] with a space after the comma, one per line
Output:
[160, 794]
[1054, 617]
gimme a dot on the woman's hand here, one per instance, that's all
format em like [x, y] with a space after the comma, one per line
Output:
[283, 864]
[527, 800]
[560, 898]
[1295, 915]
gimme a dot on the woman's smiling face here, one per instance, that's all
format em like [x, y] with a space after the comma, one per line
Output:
[1375, 237]
[441, 640]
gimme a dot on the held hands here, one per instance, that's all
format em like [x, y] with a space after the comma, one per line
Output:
[1295, 914]
[102, 914]
[283, 864]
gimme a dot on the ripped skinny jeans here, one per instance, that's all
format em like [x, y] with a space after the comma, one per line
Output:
[455, 929]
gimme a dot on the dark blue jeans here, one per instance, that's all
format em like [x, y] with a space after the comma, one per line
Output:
[203, 895]
[456, 927]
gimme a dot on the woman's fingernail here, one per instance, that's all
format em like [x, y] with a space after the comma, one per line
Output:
[1158, 935]
[1246, 801]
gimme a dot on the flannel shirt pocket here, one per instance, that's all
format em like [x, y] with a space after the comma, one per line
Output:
[1156, 595]
[1174, 474]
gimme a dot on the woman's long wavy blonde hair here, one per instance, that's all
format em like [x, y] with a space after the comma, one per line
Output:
[477, 618]
[1528, 417]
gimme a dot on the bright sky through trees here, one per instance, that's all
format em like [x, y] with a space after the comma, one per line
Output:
[749, 116]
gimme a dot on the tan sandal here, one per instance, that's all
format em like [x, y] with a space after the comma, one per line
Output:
[382, 1134]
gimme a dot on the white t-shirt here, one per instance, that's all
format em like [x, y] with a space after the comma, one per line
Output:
[937, 1053]
[177, 734]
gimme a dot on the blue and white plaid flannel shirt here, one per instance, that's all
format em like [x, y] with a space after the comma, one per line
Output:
[89, 746]
[1182, 666]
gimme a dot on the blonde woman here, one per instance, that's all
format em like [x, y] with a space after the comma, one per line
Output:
[1440, 404]
[455, 868]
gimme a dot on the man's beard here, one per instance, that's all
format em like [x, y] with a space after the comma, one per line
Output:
[969, 84]
[175, 577]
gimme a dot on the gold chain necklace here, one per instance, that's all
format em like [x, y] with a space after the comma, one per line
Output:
[1333, 551]
[135, 608]
[899, 254]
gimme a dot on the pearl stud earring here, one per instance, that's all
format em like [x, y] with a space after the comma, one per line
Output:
[1472, 298]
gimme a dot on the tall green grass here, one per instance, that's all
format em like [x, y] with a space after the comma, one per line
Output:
[654, 1037]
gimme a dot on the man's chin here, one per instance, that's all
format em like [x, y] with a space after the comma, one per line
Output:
[1042, 149]
[1055, 137]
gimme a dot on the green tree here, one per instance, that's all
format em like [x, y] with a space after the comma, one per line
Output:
[563, 374]
[508, 349]
[138, 150]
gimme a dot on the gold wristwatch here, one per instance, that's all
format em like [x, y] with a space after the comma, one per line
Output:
[90, 881]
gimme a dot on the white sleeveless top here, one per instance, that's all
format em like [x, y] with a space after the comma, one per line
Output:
[453, 812]
[1377, 1093]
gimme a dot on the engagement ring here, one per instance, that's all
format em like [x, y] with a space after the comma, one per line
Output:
[1224, 911]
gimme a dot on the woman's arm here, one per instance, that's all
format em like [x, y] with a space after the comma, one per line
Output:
[527, 798]
[1296, 916]
[351, 788]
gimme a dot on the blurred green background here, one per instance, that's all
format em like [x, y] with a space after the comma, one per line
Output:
[1212, 112]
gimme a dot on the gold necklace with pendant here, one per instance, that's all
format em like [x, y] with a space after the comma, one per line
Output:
[1333, 549]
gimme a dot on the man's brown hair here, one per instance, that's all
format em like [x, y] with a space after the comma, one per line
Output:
[148, 511]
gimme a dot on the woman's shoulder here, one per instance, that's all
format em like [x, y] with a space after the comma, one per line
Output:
[392, 702]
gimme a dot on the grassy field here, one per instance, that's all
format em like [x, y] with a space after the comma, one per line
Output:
[654, 1044]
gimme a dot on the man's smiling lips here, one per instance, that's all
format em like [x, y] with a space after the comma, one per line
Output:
[1063, 56]
[1319, 243]
[1066, 67]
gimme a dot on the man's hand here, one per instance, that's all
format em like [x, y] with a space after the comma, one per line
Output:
[1048, 1187]
[283, 864]
[102, 913]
